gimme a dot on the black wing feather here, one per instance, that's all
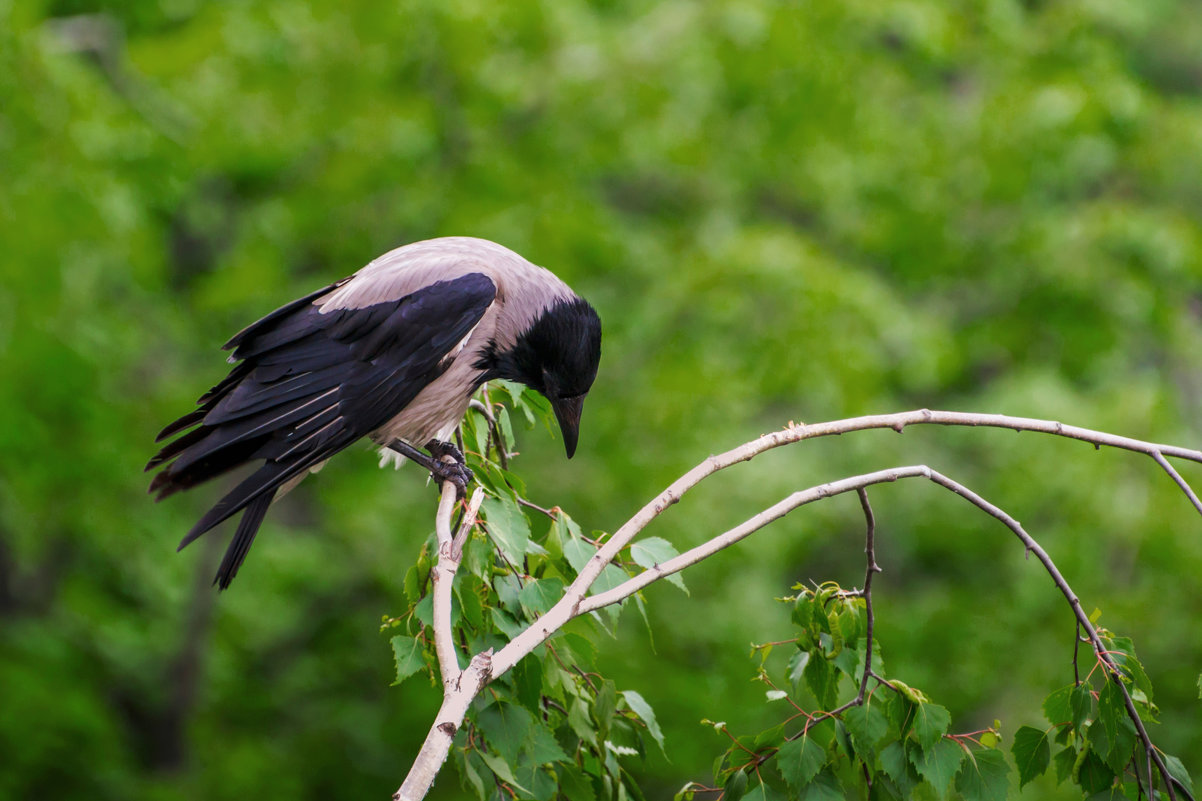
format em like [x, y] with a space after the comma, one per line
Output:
[309, 384]
[248, 526]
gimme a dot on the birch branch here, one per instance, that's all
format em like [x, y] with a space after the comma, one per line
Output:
[575, 594]
[459, 687]
[858, 483]
[745, 529]
[450, 552]
[459, 693]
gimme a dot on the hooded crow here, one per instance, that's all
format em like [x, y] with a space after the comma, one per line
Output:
[393, 353]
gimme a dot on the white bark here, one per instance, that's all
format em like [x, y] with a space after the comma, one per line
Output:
[462, 686]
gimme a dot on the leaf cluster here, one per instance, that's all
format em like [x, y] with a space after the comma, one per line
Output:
[886, 741]
[553, 726]
[1095, 740]
[889, 740]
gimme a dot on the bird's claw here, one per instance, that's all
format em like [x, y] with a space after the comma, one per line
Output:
[456, 471]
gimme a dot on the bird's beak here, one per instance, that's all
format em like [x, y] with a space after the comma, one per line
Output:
[567, 412]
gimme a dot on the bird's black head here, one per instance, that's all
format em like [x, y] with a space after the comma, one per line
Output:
[557, 356]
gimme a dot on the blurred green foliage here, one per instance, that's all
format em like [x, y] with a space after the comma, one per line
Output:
[782, 211]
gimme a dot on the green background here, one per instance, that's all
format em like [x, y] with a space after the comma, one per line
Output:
[782, 210]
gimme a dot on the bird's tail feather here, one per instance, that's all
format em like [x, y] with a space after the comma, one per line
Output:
[248, 526]
[262, 483]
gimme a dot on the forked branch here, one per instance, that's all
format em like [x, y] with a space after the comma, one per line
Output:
[466, 684]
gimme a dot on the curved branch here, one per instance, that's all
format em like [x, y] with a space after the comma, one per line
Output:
[459, 693]
[744, 529]
[858, 483]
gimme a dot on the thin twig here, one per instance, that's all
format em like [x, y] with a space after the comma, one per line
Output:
[1076, 648]
[871, 570]
[1173, 474]
[1103, 655]
[531, 505]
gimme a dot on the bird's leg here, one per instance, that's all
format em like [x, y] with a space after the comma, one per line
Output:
[456, 472]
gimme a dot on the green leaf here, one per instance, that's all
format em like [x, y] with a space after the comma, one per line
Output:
[580, 723]
[844, 739]
[652, 551]
[939, 763]
[577, 552]
[407, 653]
[858, 654]
[470, 605]
[824, 787]
[984, 776]
[508, 527]
[1081, 704]
[897, 766]
[1129, 664]
[820, 677]
[867, 724]
[639, 706]
[471, 774]
[1113, 734]
[1178, 772]
[799, 762]
[849, 622]
[1032, 753]
[604, 706]
[479, 431]
[930, 724]
[1065, 761]
[528, 683]
[1094, 775]
[735, 787]
[478, 556]
[574, 784]
[506, 624]
[501, 768]
[539, 595]
[507, 587]
[577, 650]
[541, 747]
[773, 737]
[899, 710]
[506, 429]
[424, 611]
[640, 603]
[505, 726]
[1057, 707]
[412, 584]
[797, 666]
[610, 577]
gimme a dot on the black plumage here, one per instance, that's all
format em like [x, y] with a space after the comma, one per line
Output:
[310, 384]
[369, 356]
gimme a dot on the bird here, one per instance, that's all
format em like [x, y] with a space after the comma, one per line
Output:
[394, 353]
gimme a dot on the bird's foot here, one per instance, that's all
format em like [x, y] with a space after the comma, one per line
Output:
[455, 471]
[439, 449]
